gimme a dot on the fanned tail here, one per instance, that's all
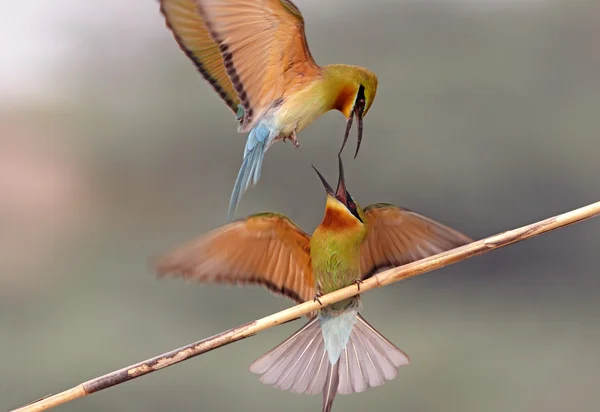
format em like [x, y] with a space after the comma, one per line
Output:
[331, 386]
[249, 174]
[368, 360]
[300, 364]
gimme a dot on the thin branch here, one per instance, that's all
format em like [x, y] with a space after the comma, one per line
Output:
[251, 328]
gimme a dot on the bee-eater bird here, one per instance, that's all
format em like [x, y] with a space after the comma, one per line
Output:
[337, 350]
[255, 55]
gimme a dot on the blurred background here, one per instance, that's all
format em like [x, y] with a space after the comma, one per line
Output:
[113, 150]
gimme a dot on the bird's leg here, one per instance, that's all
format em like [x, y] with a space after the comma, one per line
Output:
[293, 139]
[357, 282]
[316, 298]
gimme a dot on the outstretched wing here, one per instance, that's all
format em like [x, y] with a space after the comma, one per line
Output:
[184, 21]
[264, 49]
[265, 249]
[398, 236]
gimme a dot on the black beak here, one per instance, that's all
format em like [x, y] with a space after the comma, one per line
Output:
[328, 188]
[348, 127]
[340, 194]
[358, 111]
[341, 187]
[359, 116]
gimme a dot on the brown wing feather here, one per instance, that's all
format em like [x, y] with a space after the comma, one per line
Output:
[190, 32]
[266, 249]
[398, 236]
[264, 49]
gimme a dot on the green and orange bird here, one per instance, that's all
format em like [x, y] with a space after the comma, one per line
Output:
[255, 55]
[337, 350]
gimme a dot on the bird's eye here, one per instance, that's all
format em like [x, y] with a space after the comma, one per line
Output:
[352, 207]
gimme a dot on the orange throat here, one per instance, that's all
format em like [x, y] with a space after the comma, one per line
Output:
[337, 218]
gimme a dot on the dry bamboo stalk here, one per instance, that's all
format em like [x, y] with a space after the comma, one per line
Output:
[251, 328]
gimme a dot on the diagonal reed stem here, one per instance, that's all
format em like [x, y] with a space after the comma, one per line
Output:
[251, 328]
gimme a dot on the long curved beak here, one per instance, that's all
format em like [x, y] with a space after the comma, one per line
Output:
[348, 127]
[328, 188]
[359, 116]
[341, 187]
[357, 111]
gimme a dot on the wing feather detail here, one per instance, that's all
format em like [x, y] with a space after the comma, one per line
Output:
[398, 236]
[190, 32]
[265, 249]
[264, 50]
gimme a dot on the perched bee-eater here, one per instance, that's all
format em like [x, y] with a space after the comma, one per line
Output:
[337, 350]
[255, 55]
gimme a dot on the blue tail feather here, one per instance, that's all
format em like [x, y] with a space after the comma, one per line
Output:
[249, 173]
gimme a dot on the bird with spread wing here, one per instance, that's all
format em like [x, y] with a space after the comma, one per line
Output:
[337, 350]
[255, 55]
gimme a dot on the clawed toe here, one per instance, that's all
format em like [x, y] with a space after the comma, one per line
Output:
[316, 298]
[293, 139]
[358, 282]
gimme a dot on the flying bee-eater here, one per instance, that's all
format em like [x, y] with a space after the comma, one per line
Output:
[255, 55]
[337, 350]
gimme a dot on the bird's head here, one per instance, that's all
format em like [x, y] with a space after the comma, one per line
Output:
[360, 97]
[341, 211]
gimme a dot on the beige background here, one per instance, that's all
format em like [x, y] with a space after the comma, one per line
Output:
[113, 150]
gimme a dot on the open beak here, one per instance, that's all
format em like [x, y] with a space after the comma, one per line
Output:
[340, 194]
[357, 111]
[328, 188]
[341, 187]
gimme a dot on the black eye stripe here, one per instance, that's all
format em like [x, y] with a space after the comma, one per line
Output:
[352, 207]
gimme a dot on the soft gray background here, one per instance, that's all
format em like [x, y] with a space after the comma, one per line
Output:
[113, 150]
